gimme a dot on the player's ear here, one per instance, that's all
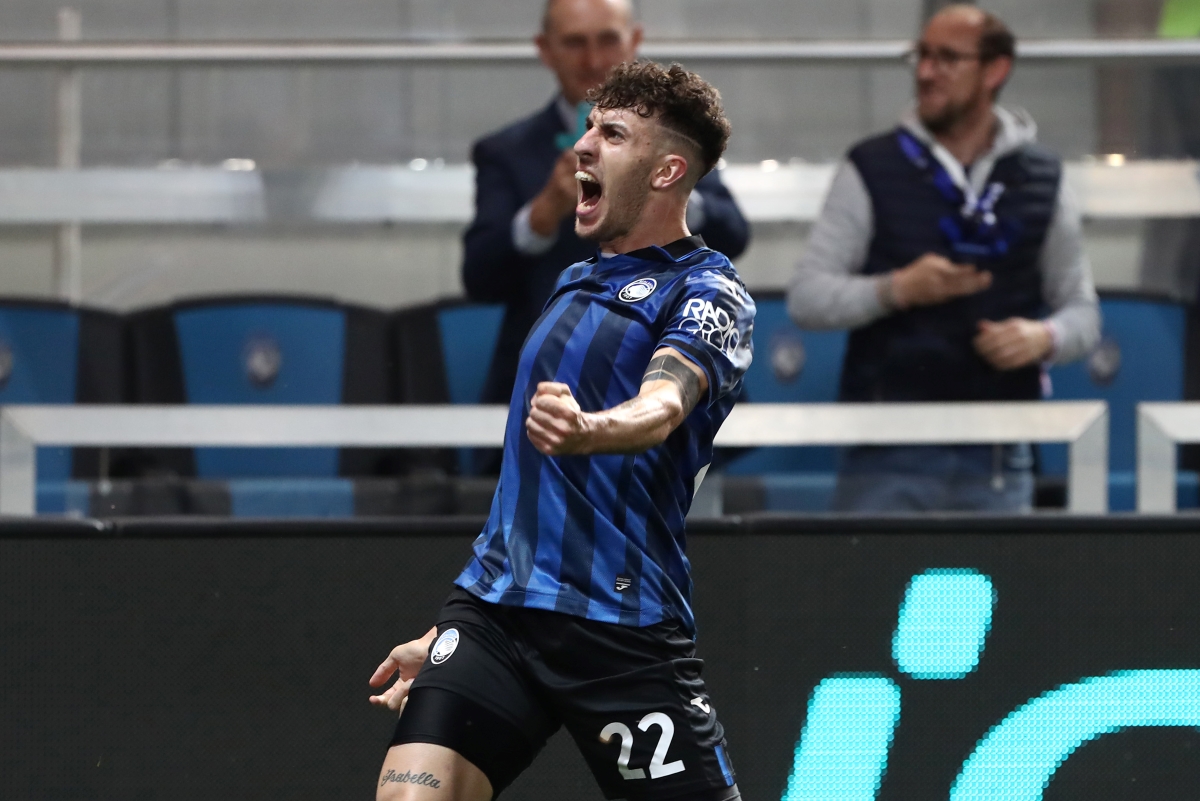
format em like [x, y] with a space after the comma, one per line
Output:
[672, 168]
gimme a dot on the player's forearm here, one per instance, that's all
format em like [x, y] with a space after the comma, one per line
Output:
[636, 425]
[670, 389]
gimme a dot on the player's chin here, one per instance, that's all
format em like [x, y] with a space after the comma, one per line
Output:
[589, 218]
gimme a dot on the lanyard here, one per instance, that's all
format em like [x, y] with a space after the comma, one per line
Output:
[975, 232]
[567, 139]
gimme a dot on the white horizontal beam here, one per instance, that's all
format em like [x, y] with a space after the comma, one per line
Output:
[23, 428]
[769, 192]
[175, 426]
[789, 424]
[251, 53]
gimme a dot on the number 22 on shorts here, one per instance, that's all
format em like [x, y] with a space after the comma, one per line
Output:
[657, 769]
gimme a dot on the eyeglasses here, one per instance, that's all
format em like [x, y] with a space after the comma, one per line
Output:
[944, 59]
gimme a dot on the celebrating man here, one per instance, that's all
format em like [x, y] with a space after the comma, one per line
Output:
[574, 609]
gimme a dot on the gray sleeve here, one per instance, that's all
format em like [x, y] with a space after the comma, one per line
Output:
[827, 289]
[1067, 283]
[526, 241]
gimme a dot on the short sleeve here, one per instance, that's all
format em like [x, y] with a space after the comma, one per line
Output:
[712, 324]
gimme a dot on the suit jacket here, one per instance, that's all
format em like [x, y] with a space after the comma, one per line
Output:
[512, 166]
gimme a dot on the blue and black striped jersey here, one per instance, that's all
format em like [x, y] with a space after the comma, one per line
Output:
[602, 536]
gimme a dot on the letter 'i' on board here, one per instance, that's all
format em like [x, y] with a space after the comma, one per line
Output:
[842, 754]
[944, 620]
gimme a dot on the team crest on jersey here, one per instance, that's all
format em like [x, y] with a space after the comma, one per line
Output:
[444, 647]
[638, 290]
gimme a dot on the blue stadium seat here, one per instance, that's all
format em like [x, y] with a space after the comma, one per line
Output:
[56, 353]
[39, 355]
[791, 366]
[273, 350]
[468, 339]
[468, 333]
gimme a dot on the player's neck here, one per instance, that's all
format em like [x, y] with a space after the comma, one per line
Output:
[659, 224]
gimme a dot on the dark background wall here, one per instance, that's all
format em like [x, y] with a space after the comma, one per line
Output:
[171, 664]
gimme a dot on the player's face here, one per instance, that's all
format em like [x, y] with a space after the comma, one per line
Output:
[617, 156]
[951, 81]
[584, 40]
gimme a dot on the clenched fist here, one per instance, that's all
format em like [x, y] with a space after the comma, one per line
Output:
[556, 426]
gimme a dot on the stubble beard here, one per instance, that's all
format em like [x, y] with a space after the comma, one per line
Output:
[950, 115]
[945, 119]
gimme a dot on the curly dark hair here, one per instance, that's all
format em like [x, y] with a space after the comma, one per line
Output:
[682, 101]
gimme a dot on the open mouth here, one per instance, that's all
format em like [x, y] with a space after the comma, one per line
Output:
[590, 192]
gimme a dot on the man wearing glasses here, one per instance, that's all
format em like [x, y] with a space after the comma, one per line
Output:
[953, 250]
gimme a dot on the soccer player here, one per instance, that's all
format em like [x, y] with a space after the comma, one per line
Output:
[574, 608]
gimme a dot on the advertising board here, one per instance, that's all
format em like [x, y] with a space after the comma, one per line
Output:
[1024, 660]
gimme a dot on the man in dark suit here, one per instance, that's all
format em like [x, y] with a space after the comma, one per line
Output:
[523, 234]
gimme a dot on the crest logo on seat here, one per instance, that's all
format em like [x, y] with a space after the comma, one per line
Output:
[262, 360]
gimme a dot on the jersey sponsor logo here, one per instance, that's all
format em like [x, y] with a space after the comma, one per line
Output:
[443, 649]
[638, 290]
[623, 583]
[711, 323]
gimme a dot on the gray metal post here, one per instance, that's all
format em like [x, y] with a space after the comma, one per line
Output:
[68, 242]
[18, 469]
[1087, 489]
[1155, 465]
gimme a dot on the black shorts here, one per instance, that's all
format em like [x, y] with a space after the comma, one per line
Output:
[501, 679]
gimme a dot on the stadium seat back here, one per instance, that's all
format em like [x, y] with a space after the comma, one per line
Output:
[790, 366]
[468, 339]
[262, 353]
[39, 358]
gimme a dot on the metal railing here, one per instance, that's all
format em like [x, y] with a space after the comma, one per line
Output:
[1083, 425]
[272, 53]
[1160, 428]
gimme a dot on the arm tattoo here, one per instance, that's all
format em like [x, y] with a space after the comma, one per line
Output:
[671, 368]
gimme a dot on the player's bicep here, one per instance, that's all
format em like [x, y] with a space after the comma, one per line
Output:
[671, 371]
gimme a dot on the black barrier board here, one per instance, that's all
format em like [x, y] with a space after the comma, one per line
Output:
[235, 668]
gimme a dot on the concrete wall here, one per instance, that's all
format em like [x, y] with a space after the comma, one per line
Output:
[285, 117]
[314, 116]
